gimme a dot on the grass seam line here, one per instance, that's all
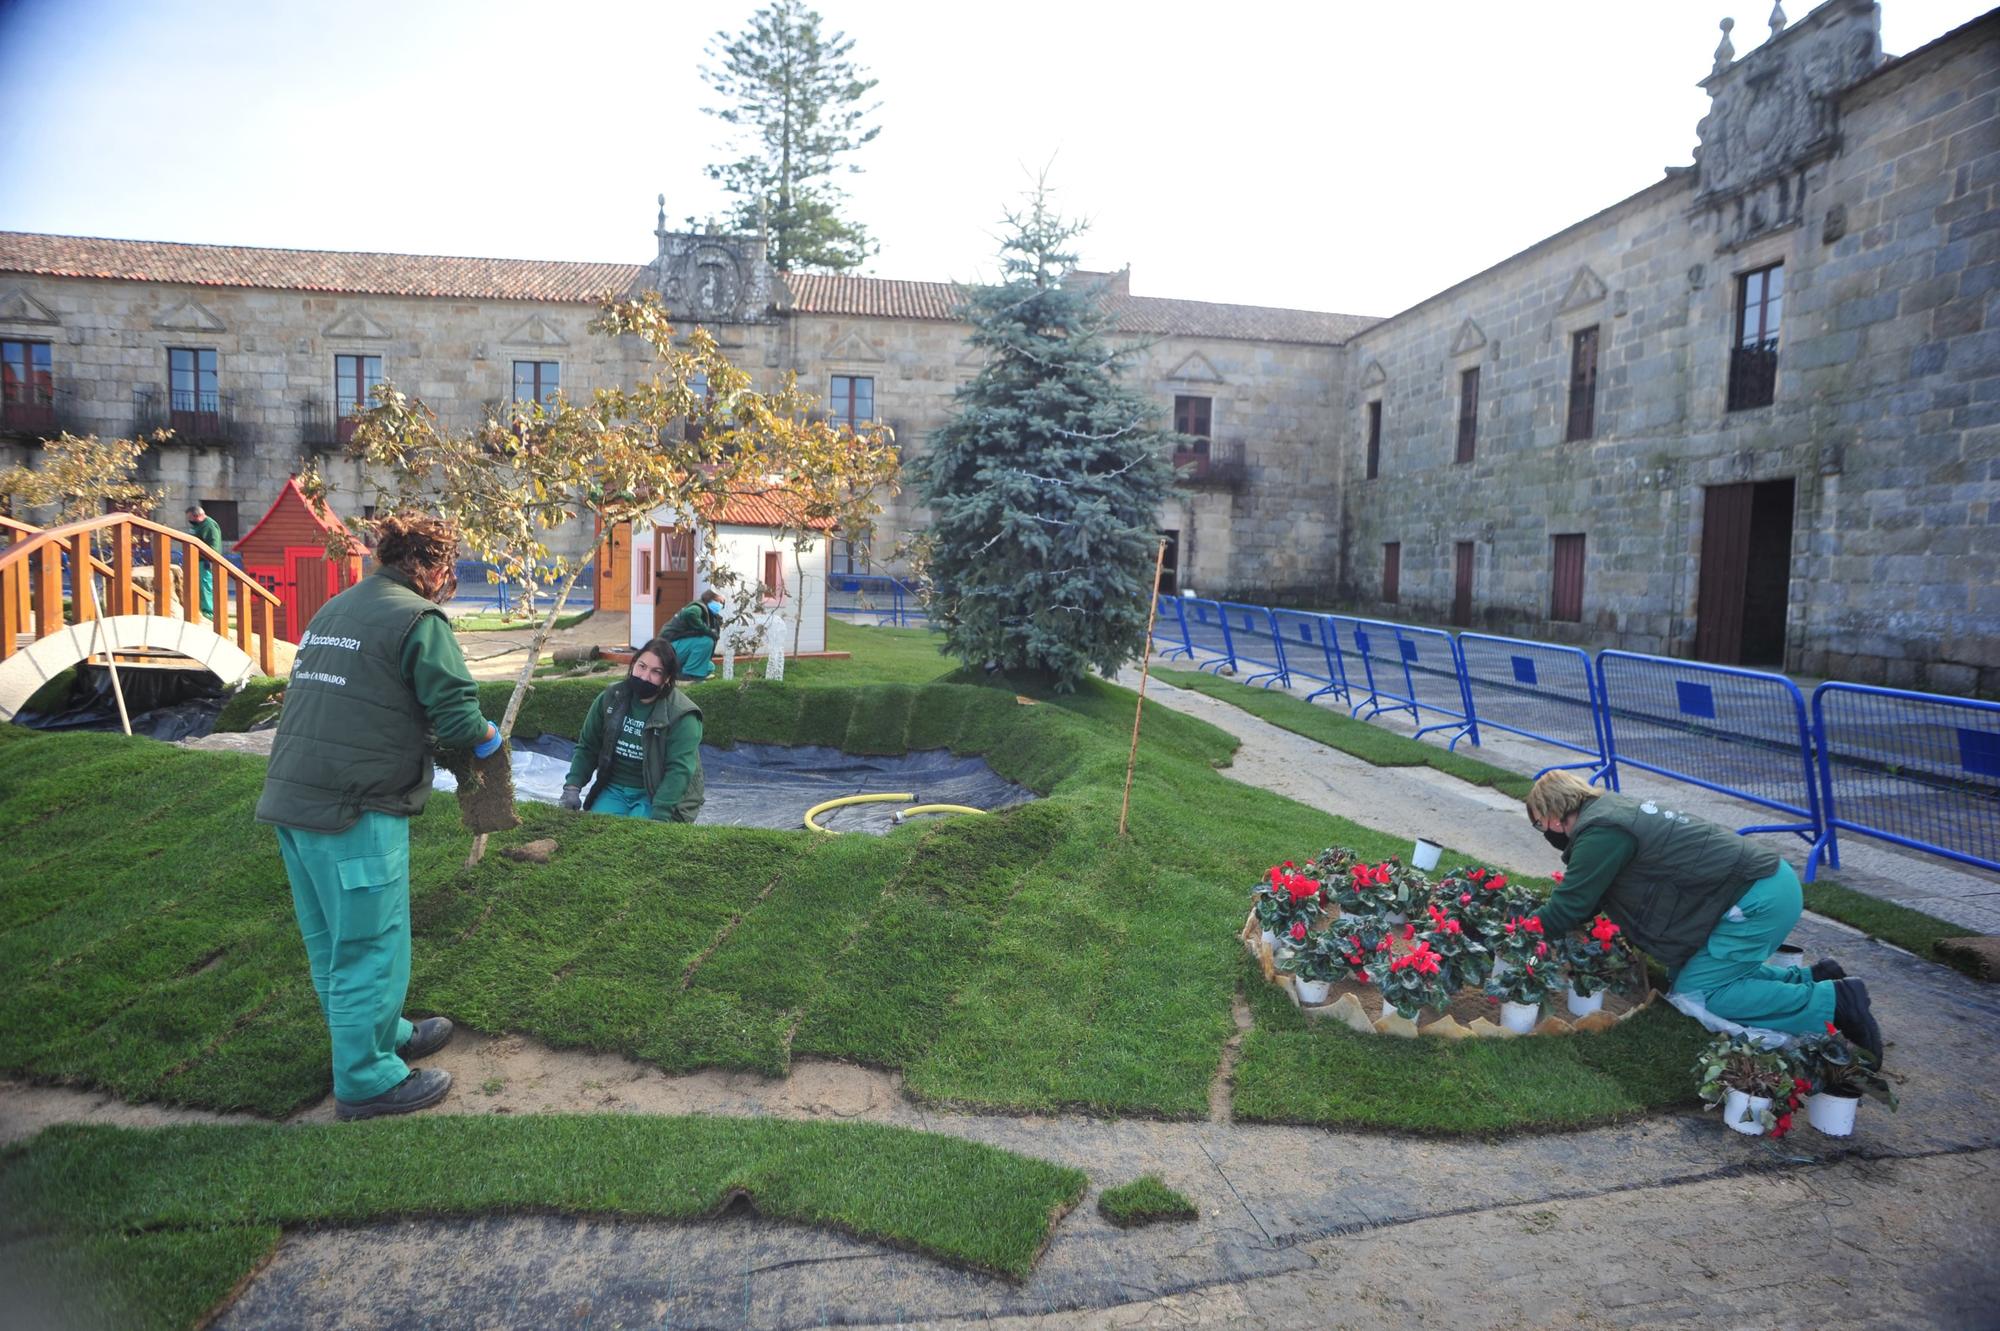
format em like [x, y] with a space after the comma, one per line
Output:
[722, 935]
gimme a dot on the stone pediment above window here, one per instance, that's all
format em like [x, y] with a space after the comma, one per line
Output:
[355, 325]
[1586, 288]
[1470, 338]
[535, 331]
[851, 346]
[1197, 369]
[1374, 375]
[190, 316]
[18, 307]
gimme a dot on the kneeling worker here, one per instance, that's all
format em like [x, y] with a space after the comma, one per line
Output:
[640, 749]
[1706, 902]
[378, 674]
[694, 633]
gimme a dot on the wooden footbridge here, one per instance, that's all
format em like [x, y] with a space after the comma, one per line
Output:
[120, 584]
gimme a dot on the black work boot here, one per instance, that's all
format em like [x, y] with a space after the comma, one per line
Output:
[1826, 968]
[1853, 1018]
[432, 1034]
[423, 1088]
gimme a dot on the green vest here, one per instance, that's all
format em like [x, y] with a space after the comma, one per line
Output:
[352, 736]
[1683, 878]
[615, 701]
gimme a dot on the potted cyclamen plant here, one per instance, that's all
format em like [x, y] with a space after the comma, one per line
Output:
[1288, 904]
[1410, 981]
[1464, 960]
[1529, 973]
[1596, 961]
[1744, 1077]
[1839, 1075]
[1408, 892]
[1323, 958]
[1333, 863]
[1363, 889]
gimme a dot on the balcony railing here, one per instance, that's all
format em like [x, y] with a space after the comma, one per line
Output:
[1753, 375]
[38, 413]
[1218, 466]
[321, 428]
[205, 420]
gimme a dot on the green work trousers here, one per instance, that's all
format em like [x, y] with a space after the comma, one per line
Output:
[1729, 975]
[351, 891]
[624, 802]
[207, 593]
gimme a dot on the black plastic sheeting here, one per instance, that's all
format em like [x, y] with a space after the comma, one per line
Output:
[164, 704]
[771, 785]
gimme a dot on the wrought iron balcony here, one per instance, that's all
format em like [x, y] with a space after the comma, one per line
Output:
[204, 420]
[321, 429]
[38, 413]
[1753, 375]
[1211, 465]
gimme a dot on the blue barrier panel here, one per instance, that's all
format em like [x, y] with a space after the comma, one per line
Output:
[1312, 651]
[1917, 769]
[1170, 636]
[1416, 670]
[1254, 640]
[911, 612]
[1207, 634]
[1739, 732]
[865, 597]
[1537, 690]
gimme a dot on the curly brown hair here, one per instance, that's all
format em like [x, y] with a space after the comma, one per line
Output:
[415, 542]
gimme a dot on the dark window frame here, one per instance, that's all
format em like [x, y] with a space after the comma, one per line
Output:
[27, 384]
[544, 381]
[1753, 345]
[1374, 439]
[197, 399]
[1468, 414]
[1584, 346]
[844, 405]
[1392, 572]
[1566, 593]
[1194, 416]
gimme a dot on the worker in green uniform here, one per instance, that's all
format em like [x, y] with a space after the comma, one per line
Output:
[209, 532]
[1707, 903]
[640, 749]
[693, 633]
[378, 677]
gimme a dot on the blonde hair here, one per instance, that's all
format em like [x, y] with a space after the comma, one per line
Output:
[1557, 795]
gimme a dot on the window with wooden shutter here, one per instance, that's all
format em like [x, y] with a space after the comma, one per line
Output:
[774, 575]
[1392, 571]
[1583, 384]
[1566, 580]
[1468, 413]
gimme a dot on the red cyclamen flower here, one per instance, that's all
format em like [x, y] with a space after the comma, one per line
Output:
[1299, 931]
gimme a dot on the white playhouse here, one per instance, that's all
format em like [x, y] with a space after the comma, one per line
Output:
[666, 570]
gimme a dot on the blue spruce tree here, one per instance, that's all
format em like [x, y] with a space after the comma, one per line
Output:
[1045, 488]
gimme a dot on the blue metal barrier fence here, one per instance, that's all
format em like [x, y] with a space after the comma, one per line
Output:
[1916, 769]
[1253, 640]
[1417, 669]
[1537, 690]
[1207, 635]
[1312, 651]
[1737, 732]
[1170, 635]
[875, 598]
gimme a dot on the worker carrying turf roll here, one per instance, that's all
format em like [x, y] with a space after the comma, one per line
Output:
[640, 749]
[1707, 903]
[378, 678]
[693, 633]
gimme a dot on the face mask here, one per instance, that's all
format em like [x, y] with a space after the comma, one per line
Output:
[715, 607]
[1560, 840]
[644, 691]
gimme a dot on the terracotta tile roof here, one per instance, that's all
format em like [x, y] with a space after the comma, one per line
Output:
[881, 297]
[312, 270]
[764, 510]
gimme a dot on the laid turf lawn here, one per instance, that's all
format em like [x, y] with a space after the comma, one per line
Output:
[1337, 730]
[252, 703]
[168, 1219]
[1909, 929]
[880, 656]
[1027, 961]
[490, 621]
[1146, 1200]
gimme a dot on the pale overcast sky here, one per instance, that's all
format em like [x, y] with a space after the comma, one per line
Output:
[1326, 155]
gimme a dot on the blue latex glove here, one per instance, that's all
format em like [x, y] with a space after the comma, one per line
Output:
[489, 746]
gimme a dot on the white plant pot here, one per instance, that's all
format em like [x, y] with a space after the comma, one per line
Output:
[1425, 855]
[1788, 954]
[1270, 941]
[1745, 1113]
[1832, 1114]
[1519, 1018]
[1500, 967]
[1580, 1006]
[1312, 992]
[1396, 918]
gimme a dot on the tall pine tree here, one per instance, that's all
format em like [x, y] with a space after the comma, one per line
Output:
[797, 100]
[1045, 487]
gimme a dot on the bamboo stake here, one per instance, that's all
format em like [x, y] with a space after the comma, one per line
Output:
[1145, 673]
[110, 659]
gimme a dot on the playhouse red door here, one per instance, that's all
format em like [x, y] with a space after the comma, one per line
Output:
[306, 572]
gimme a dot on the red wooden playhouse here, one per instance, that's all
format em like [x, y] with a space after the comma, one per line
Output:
[286, 551]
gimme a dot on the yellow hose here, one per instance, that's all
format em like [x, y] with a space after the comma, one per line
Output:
[818, 809]
[903, 815]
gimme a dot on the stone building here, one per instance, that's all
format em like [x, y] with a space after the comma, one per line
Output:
[1751, 413]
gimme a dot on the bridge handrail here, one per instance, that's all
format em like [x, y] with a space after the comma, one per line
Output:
[43, 550]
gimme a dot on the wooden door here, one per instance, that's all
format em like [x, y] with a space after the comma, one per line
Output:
[673, 571]
[614, 570]
[1461, 591]
[1725, 557]
[306, 576]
